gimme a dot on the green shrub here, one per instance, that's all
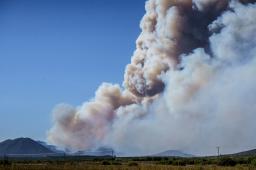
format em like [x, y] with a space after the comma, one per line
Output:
[149, 159]
[163, 162]
[253, 162]
[165, 158]
[156, 158]
[106, 163]
[226, 162]
[133, 164]
[179, 163]
[116, 163]
[170, 162]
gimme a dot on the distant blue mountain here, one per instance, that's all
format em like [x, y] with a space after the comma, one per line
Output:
[246, 153]
[27, 146]
[173, 153]
[23, 146]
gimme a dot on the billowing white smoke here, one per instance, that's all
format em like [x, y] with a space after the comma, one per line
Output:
[190, 85]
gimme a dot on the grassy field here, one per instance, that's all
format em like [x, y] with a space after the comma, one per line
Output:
[143, 163]
[143, 166]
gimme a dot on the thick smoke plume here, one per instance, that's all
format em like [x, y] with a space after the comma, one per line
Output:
[190, 85]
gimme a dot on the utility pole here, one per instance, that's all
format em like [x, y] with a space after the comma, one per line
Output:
[113, 154]
[6, 161]
[218, 150]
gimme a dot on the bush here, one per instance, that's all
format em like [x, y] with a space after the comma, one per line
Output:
[106, 163]
[116, 163]
[156, 159]
[179, 163]
[253, 162]
[170, 162]
[133, 164]
[227, 162]
[5, 162]
[149, 159]
[163, 162]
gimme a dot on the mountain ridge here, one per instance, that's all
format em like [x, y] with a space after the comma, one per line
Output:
[173, 153]
[251, 152]
[22, 146]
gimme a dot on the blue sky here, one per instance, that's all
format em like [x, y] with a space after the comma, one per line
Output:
[55, 51]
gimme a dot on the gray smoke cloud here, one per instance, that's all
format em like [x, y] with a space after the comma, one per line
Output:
[190, 85]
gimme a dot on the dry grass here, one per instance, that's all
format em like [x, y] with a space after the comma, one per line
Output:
[130, 163]
[124, 166]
